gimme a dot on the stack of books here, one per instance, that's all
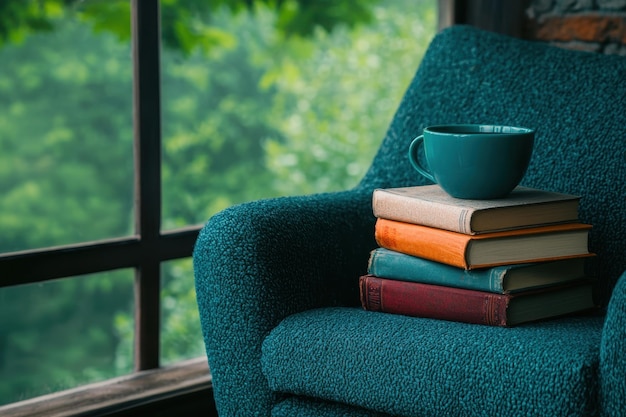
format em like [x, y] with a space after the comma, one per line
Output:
[495, 262]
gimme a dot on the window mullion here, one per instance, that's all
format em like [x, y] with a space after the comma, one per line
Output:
[147, 124]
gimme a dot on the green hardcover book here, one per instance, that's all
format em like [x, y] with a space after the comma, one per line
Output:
[501, 279]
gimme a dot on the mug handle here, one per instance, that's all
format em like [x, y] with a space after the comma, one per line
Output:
[413, 158]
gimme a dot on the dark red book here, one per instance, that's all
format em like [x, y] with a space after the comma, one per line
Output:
[470, 306]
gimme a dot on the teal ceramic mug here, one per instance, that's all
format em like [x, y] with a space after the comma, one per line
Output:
[474, 161]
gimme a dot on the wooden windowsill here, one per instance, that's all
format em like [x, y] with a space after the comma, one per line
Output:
[118, 395]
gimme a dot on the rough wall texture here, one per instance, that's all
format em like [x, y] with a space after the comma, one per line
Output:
[588, 25]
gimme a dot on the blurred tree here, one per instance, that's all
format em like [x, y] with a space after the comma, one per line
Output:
[66, 175]
[250, 109]
[313, 111]
[215, 119]
[183, 21]
[333, 107]
[65, 118]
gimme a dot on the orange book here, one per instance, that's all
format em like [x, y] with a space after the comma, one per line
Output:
[535, 244]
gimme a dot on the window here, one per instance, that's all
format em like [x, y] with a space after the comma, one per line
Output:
[115, 150]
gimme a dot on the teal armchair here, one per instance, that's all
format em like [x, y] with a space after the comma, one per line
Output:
[277, 279]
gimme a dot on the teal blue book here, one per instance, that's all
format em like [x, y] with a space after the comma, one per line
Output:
[385, 263]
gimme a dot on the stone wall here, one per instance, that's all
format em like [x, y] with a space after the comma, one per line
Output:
[588, 25]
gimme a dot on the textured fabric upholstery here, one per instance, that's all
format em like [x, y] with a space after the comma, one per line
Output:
[426, 367]
[613, 354]
[274, 278]
[299, 406]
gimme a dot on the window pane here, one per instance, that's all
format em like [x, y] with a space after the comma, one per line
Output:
[66, 154]
[255, 114]
[64, 333]
[181, 337]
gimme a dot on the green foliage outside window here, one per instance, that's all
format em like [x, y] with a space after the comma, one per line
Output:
[251, 109]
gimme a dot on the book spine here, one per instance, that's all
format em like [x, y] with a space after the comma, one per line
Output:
[432, 301]
[392, 206]
[386, 263]
[433, 244]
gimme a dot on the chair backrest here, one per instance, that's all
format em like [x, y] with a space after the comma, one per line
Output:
[575, 100]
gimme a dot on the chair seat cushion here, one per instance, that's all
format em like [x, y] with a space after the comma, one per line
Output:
[310, 407]
[410, 366]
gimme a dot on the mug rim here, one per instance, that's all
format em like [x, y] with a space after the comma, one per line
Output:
[463, 129]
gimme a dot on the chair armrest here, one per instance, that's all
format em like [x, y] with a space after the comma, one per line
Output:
[613, 353]
[257, 263]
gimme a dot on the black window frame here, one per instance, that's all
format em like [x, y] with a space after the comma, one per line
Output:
[144, 251]
[149, 246]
